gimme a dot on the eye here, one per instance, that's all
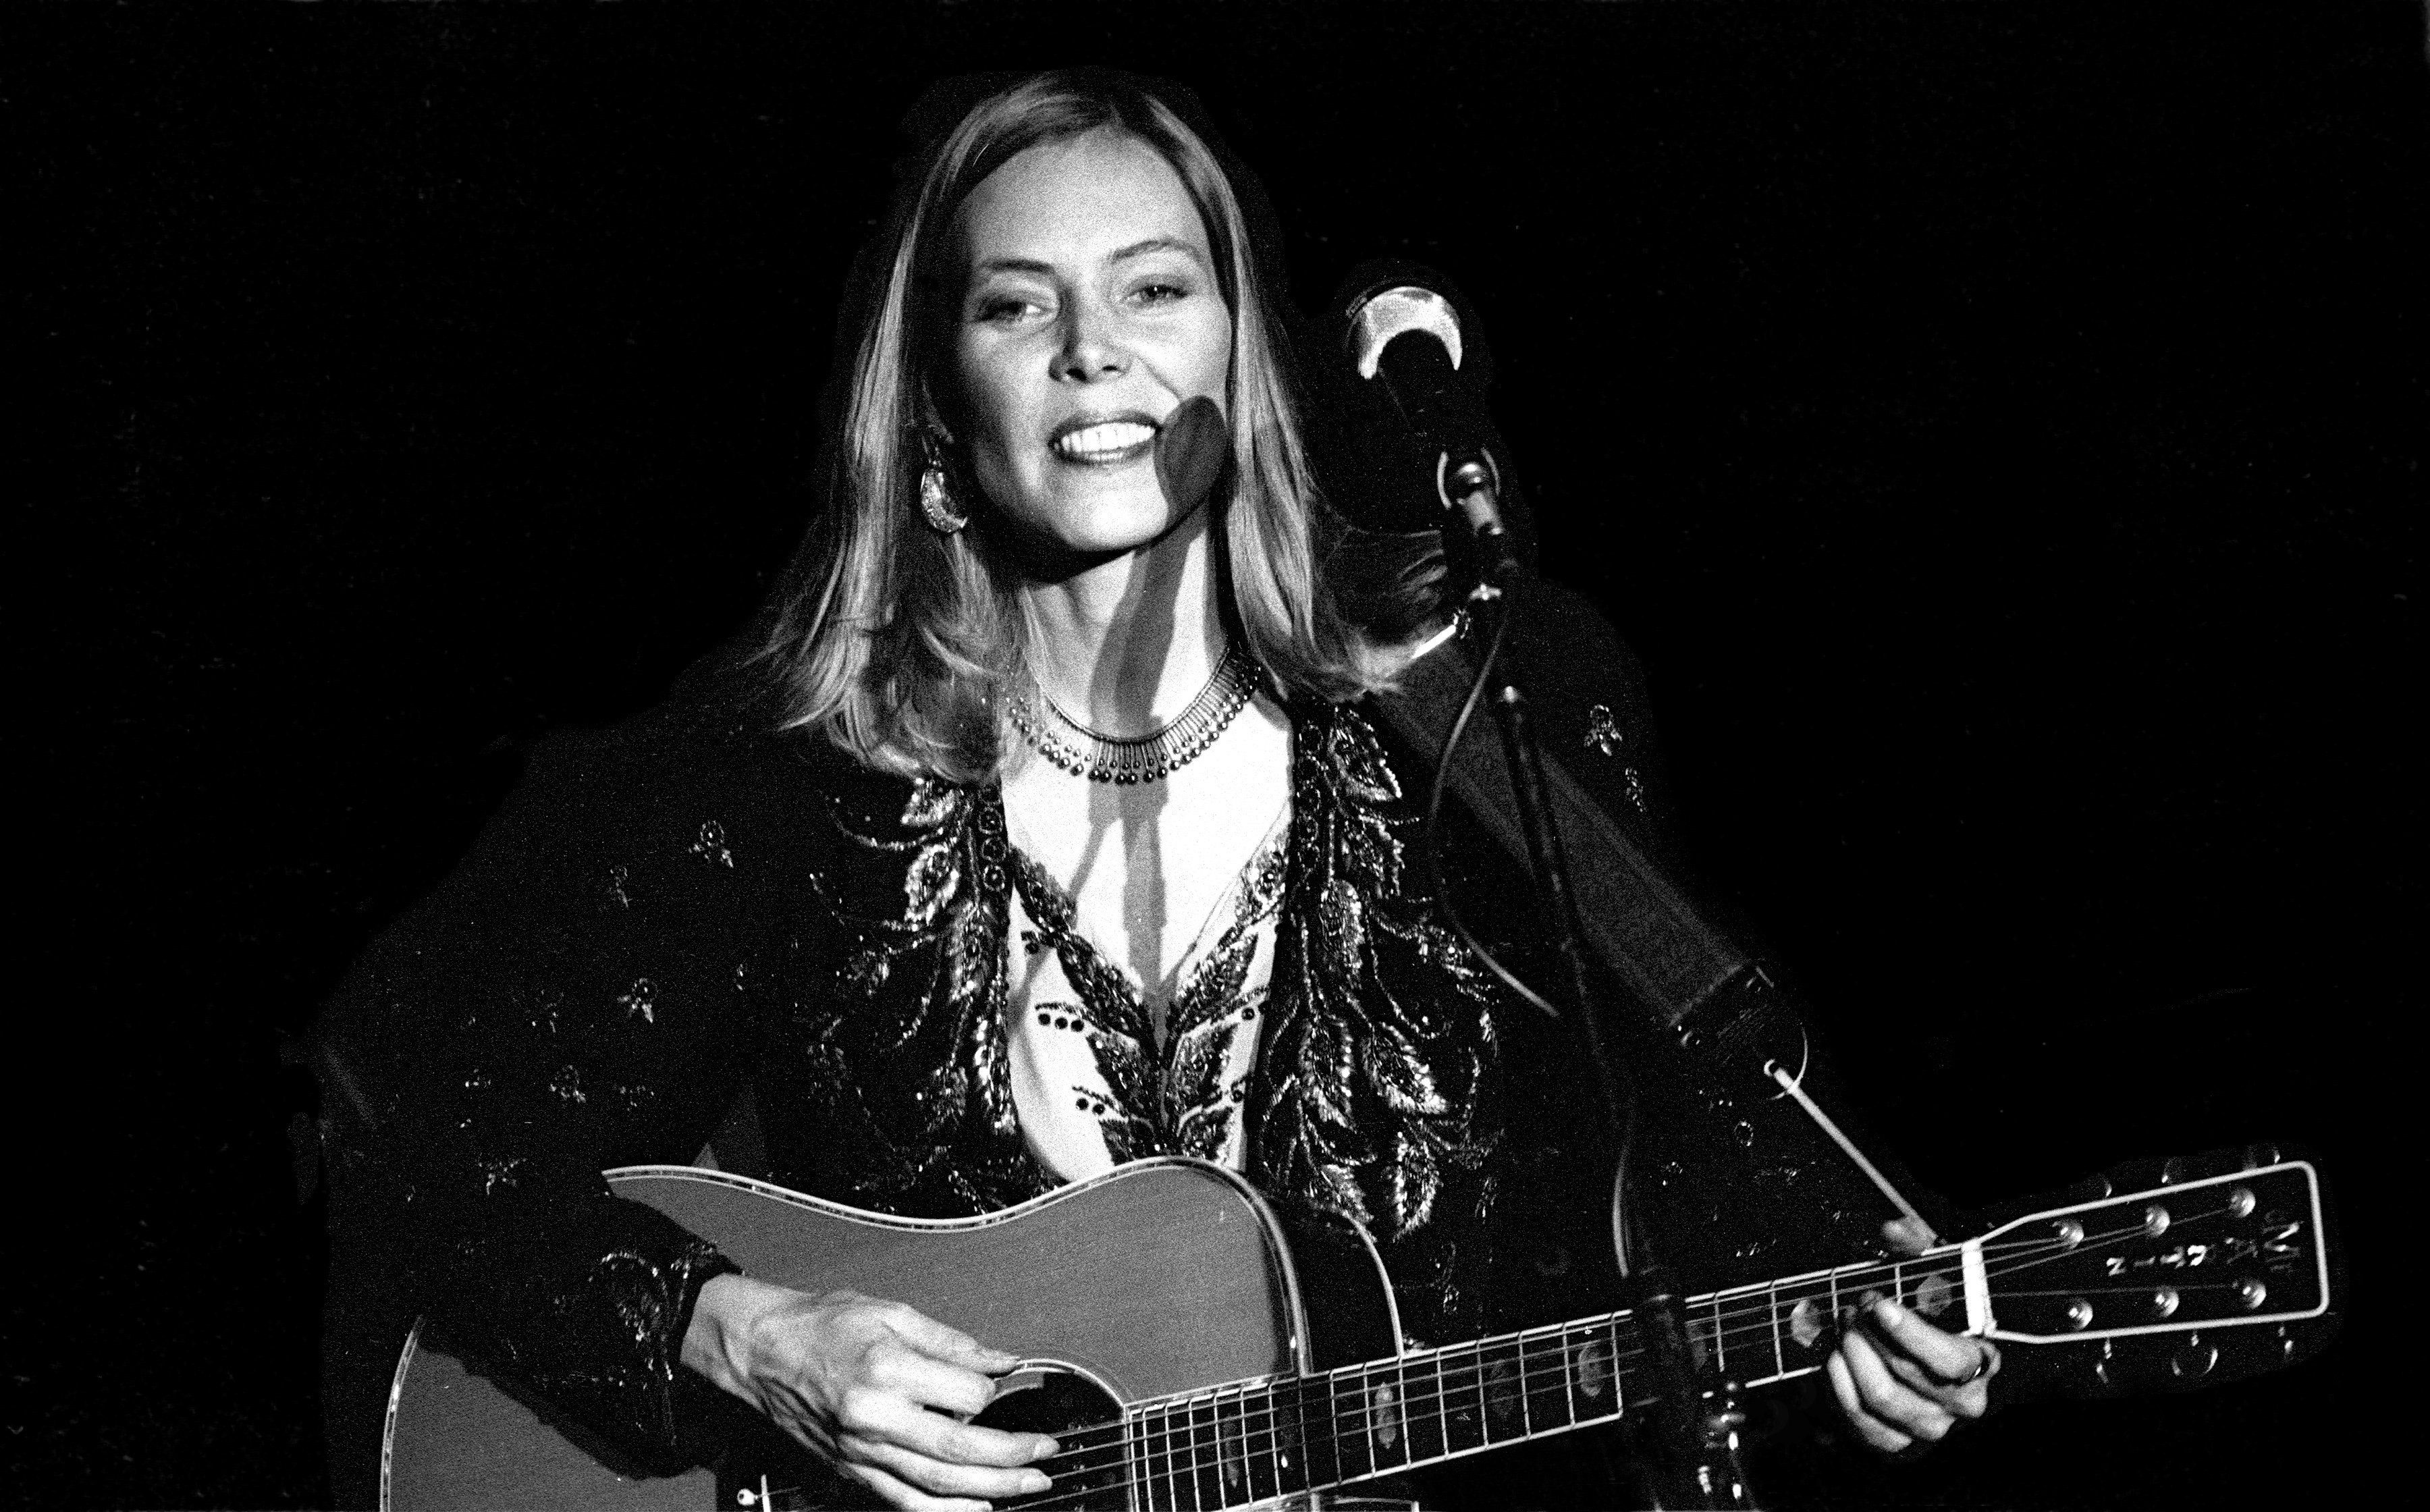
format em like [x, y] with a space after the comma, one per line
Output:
[1005, 309]
[1161, 292]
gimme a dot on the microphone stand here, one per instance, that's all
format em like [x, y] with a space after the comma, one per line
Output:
[1695, 1439]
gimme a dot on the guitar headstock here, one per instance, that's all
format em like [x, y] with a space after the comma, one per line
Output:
[2186, 1280]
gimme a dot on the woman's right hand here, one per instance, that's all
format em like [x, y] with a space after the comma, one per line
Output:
[855, 1378]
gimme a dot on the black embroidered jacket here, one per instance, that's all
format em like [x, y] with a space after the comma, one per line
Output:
[673, 914]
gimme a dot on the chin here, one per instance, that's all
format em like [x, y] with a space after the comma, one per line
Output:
[1110, 527]
[1103, 539]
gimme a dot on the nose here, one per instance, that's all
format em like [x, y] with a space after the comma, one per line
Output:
[1091, 348]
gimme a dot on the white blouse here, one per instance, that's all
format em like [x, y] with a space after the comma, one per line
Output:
[1103, 1071]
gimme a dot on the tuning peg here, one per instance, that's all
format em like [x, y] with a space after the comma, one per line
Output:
[2258, 1156]
[2194, 1359]
[2164, 1302]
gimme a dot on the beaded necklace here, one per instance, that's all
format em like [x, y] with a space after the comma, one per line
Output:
[1150, 757]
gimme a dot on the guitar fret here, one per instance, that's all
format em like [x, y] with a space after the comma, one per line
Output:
[1573, 1364]
[1206, 1473]
[1618, 1392]
[1150, 1477]
[1505, 1384]
[1323, 1449]
[1291, 1471]
[1237, 1445]
[1232, 1447]
[1142, 1453]
[1262, 1457]
[1405, 1411]
[1462, 1406]
[1486, 1358]
[1423, 1419]
[1771, 1315]
[1530, 1389]
[1175, 1428]
[1358, 1446]
[1184, 1457]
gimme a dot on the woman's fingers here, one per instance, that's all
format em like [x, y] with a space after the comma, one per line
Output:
[1953, 1370]
[1885, 1398]
[944, 1478]
[879, 1388]
[951, 1345]
[1908, 1235]
[1875, 1431]
[895, 1365]
[897, 1492]
[898, 1423]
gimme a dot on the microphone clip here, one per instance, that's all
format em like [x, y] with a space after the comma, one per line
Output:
[1470, 487]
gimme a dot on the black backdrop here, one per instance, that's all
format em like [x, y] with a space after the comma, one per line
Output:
[1996, 426]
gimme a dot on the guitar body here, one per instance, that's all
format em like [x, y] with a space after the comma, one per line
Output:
[1163, 1325]
[1156, 1278]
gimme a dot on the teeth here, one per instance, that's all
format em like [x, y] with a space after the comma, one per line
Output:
[1101, 441]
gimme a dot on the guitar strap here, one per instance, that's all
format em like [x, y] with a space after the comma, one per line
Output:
[1692, 982]
[1695, 990]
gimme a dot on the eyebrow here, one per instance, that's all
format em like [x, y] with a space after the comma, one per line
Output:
[1154, 243]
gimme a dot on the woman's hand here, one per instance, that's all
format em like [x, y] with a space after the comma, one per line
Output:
[1901, 1380]
[855, 1379]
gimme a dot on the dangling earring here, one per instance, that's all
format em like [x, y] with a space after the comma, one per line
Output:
[936, 489]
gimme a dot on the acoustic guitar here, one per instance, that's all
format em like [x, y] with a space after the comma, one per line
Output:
[1165, 1330]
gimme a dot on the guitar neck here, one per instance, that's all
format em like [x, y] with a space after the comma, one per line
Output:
[1241, 1443]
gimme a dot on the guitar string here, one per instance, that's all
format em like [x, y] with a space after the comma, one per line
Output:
[1159, 1431]
[1180, 1429]
[2132, 1285]
[1181, 1419]
[1756, 1302]
[1177, 1419]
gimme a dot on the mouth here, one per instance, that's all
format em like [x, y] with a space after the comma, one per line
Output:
[1103, 440]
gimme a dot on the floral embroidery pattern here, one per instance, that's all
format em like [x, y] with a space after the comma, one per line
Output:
[1169, 1095]
[1373, 1092]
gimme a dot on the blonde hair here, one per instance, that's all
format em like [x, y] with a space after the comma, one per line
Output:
[897, 641]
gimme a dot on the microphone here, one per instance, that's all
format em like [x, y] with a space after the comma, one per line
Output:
[1407, 336]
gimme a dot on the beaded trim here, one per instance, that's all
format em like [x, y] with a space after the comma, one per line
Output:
[1150, 757]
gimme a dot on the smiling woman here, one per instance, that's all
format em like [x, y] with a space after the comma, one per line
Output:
[1093, 314]
[1048, 831]
[1072, 220]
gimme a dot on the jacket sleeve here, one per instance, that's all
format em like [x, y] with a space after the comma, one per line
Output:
[578, 996]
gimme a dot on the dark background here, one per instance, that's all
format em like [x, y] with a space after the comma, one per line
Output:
[1998, 428]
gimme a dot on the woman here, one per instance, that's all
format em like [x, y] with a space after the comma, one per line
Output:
[1070, 845]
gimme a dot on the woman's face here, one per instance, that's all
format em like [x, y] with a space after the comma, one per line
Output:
[1090, 312]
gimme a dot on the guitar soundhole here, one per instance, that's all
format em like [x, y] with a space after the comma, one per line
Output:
[1085, 1422]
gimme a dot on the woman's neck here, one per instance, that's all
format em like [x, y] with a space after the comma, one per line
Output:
[1127, 643]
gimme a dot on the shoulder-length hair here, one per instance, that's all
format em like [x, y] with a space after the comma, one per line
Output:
[899, 642]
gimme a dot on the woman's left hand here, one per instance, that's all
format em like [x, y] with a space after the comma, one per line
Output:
[1901, 1380]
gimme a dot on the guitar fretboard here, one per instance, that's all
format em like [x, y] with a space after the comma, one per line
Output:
[1248, 1441]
